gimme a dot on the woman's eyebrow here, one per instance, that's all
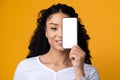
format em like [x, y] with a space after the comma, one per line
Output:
[53, 24]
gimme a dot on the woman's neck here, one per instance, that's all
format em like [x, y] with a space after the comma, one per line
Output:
[57, 57]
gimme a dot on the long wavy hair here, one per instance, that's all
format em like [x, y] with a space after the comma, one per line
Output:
[39, 44]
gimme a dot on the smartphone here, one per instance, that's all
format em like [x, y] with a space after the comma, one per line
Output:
[69, 32]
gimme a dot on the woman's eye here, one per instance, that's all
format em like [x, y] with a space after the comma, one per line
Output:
[53, 29]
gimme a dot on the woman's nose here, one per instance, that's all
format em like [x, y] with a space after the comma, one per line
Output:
[60, 32]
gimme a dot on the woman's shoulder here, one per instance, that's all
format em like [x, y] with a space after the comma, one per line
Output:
[28, 61]
[89, 67]
[90, 70]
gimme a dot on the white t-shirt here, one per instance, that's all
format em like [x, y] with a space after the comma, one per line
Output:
[33, 69]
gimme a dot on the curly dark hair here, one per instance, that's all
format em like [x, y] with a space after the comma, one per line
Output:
[39, 44]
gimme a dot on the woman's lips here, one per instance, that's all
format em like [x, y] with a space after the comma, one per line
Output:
[59, 42]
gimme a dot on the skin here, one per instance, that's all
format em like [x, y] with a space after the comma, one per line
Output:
[58, 58]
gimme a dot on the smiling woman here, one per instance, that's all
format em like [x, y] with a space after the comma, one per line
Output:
[47, 59]
[53, 30]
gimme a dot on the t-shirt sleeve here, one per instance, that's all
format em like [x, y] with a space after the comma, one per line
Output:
[19, 73]
[94, 75]
[91, 73]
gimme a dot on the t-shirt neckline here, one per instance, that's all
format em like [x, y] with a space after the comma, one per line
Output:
[69, 69]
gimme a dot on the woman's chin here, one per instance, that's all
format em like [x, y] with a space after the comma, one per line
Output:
[60, 48]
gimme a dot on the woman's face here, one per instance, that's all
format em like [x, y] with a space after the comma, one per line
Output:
[54, 30]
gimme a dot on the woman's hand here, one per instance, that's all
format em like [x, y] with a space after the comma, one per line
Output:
[77, 57]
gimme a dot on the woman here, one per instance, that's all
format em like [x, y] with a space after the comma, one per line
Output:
[47, 60]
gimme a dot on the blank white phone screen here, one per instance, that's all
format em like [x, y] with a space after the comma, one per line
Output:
[69, 32]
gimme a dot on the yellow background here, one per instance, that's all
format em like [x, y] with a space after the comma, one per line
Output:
[101, 17]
